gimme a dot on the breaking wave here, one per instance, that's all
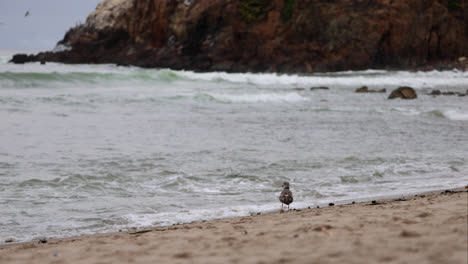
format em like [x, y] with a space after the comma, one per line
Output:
[456, 115]
[452, 114]
[35, 75]
[349, 78]
[58, 79]
[260, 98]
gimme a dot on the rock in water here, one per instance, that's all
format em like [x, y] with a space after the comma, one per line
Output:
[319, 88]
[404, 92]
[363, 89]
[436, 92]
[20, 58]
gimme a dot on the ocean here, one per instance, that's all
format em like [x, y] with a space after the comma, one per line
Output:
[90, 149]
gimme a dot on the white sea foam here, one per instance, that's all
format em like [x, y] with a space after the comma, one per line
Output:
[456, 115]
[350, 78]
[451, 114]
[261, 98]
[407, 111]
[4, 59]
[170, 218]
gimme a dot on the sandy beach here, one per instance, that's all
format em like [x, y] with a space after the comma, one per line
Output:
[427, 228]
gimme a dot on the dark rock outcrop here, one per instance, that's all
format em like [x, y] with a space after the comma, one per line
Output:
[365, 89]
[22, 58]
[449, 93]
[319, 88]
[403, 93]
[274, 36]
[438, 92]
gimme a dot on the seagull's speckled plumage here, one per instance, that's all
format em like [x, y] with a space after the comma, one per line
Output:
[286, 196]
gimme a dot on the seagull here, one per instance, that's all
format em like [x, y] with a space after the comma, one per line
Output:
[27, 14]
[286, 196]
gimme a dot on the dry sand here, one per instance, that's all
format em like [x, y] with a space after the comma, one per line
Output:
[430, 228]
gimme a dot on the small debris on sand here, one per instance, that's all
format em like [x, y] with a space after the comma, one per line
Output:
[424, 214]
[182, 255]
[10, 240]
[140, 232]
[406, 233]
[324, 229]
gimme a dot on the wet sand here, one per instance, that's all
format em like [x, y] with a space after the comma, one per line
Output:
[429, 228]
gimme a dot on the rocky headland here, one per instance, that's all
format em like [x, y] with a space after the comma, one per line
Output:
[269, 36]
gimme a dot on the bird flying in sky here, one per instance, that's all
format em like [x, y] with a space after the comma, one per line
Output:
[26, 14]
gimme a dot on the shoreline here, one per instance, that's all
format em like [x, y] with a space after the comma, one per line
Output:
[345, 202]
[424, 220]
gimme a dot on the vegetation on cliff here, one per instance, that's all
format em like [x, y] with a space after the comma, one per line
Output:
[251, 10]
[288, 9]
[455, 5]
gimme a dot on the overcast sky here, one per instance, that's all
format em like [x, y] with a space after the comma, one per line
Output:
[45, 26]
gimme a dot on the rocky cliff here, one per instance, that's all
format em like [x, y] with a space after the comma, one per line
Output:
[269, 35]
